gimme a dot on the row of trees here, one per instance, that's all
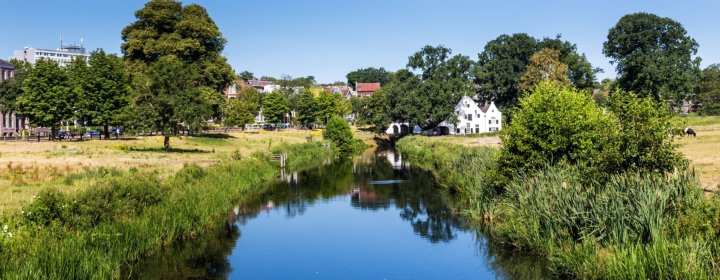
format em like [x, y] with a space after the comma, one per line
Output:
[654, 57]
[93, 92]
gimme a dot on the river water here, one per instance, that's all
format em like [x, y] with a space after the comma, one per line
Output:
[375, 217]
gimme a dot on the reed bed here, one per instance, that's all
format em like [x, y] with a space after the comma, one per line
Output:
[627, 226]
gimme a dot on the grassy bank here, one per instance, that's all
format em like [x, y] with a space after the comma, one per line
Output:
[125, 215]
[632, 226]
[29, 167]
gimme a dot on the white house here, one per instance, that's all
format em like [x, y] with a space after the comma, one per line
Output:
[474, 119]
[471, 119]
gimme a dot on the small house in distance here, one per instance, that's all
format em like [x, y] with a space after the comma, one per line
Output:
[471, 118]
[366, 89]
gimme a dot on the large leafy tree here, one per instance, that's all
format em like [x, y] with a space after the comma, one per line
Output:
[48, 95]
[444, 80]
[329, 105]
[11, 90]
[275, 107]
[654, 56]
[105, 89]
[503, 61]
[168, 33]
[307, 108]
[374, 110]
[242, 110]
[168, 98]
[368, 75]
[709, 90]
[544, 65]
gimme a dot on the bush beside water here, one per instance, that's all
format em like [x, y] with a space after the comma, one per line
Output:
[600, 192]
[127, 215]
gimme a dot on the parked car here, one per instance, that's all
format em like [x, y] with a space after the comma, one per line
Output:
[308, 126]
[269, 127]
[64, 134]
[92, 133]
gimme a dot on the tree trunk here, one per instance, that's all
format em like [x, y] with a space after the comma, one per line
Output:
[166, 143]
[53, 132]
[106, 132]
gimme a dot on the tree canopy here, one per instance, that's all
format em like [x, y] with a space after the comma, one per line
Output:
[104, 89]
[48, 95]
[275, 107]
[242, 110]
[709, 90]
[653, 56]
[165, 27]
[166, 37]
[307, 108]
[11, 89]
[368, 75]
[544, 65]
[504, 60]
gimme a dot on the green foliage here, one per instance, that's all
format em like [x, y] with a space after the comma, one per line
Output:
[48, 95]
[102, 232]
[11, 89]
[653, 56]
[275, 107]
[374, 110]
[167, 98]
[634, 225]
[368, 75]
[104, 88]
[242, 110]
[504, 60]
[246, 75]
[544, 65]
[642, 135]
[709, 90]
[338, 131]
[165, 27]
[329, 105]
[555, 124]
[307, 108]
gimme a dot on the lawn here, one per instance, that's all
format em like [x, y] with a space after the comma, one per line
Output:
[27, 167]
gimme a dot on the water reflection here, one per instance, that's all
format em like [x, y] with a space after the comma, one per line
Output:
[414, 199]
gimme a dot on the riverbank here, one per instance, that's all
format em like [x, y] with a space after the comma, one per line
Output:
[121, 216]
[27, 168]
[635, 226]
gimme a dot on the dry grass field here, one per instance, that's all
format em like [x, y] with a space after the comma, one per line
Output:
[27, 167]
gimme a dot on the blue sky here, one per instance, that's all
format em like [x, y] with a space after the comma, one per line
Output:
[327, 39]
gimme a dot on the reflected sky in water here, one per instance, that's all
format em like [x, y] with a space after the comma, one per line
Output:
[349, 228]
[332, 222]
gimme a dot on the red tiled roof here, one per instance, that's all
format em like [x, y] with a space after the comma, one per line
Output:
[367, 87]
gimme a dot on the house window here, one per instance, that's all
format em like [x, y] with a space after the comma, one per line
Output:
[469, 117]
[467, 105]
[489, 121]
[478, 116]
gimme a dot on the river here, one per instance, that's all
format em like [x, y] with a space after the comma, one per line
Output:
[375, 217]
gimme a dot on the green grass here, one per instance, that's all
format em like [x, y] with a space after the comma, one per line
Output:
[633, 226]
[700, 123]
[126, 215]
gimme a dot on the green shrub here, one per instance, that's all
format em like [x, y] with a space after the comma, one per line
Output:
[338, 131]
[643, 134]
[555, 124]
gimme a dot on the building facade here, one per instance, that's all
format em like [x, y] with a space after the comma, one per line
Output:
[7, 70]
[63, 55]
[471, 119]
